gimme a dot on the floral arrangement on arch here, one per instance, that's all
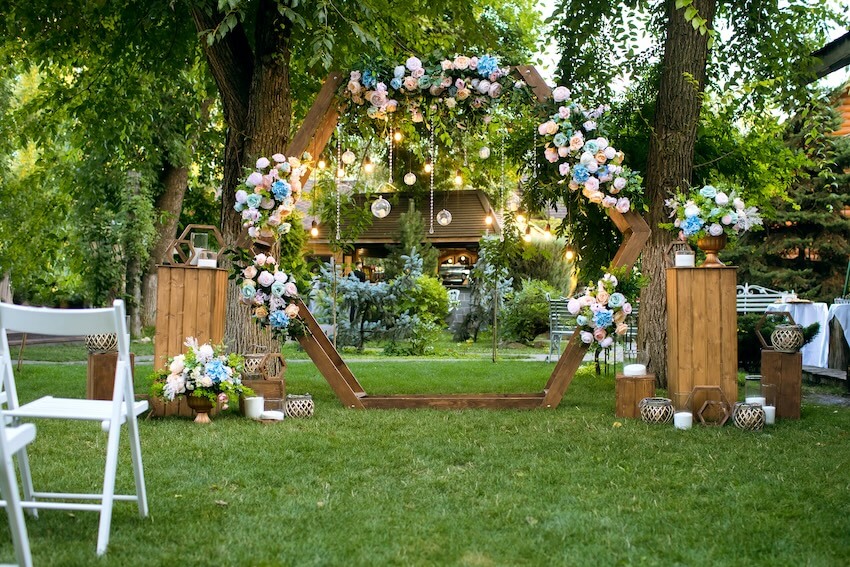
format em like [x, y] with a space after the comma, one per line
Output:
[205, 371]
[269, 195]
[602, 309]
[464, 81]
[583, 156]
[271, 293]
[709, 211]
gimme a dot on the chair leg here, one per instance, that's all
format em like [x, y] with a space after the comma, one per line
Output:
[108, 488]
[17, 526]
[138, 469]
[26, 480]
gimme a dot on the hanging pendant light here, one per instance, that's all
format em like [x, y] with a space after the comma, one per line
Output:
[348, 157]
[444, 218]
[458, 178]
[322, 164]
[513, 202]
[381, 207]
[410, 178]
[368, 166]
[429, 167]
[569, 253]
[527, 236]
[397, 136]
[484, 152]
[314, 229]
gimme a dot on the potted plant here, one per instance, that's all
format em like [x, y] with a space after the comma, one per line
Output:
[205, 375]
[709, 216]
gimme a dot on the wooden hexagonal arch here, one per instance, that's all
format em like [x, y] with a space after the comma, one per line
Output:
[312, 137]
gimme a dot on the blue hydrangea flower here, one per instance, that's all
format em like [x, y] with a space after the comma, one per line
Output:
[691, 225]
[580, 173]
[281, 189]
[709, 192]
[603, 317]
[254, 200]
[279, 320]
[487, 64]
[369, 79]
[215, 369]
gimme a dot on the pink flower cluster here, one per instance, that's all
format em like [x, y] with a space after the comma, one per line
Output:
[270, 293]
[601, 313]
[584, 159]
[269, 195]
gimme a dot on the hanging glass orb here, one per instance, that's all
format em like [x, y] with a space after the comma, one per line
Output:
[348, 157]
[410, 178]
[513, 202]
[444, 218]
[484, 152]
[381, 207]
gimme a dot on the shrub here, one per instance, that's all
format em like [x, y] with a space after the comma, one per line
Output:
[527, 314]
[428, 299]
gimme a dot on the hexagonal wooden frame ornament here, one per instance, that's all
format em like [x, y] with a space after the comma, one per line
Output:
[313, 137]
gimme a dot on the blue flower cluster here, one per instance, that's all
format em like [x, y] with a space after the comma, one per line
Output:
[369, 80]
[278, 320]
[691, 225]
[281, 189]
[603, 317]
[487, 64]
[580, 173]
[215, 369]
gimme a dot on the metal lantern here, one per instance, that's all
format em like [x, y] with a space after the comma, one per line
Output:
[381, 207]
[444, 218]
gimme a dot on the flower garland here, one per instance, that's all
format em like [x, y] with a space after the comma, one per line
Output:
[583, 157]
[601, 313]
[463, 82]
[271, 294]
[204, 371]
[269, 195]
[708, 211]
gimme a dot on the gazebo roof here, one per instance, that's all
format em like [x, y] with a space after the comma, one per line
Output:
[469, 208]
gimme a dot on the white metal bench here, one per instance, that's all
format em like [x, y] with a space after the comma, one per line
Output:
[561, 324]
[755, 298]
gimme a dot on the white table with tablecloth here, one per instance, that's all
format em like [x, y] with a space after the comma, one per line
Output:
[816, 352]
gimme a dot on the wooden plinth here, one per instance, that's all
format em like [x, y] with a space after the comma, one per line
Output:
[100, 377]
[702, 330]
[785, 371]
[629, 391]
[190, 302]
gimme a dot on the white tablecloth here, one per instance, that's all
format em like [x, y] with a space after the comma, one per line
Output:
[816, 352]
[841, 311]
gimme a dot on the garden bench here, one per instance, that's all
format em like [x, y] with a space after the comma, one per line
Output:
[755, 298]
[561, 324]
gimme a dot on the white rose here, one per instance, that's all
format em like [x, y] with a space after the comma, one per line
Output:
[262, 163]
[691, 211]
[413, 63]
[560, 94]
[721, 199]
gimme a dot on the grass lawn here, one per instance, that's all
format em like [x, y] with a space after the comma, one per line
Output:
[572, 486]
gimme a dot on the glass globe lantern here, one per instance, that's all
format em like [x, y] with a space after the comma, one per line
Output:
[444, 218]
[410, 178]
[348, 157]
[381, 207]
[484, 152]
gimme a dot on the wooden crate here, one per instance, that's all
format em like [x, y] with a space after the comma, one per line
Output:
[269, 389]
[100, 376]
[190, 302]
[785, 371]
[629, 391]
[702, 341]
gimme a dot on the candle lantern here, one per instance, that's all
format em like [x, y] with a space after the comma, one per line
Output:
[753, 389]
[683, 418]
[200, 243]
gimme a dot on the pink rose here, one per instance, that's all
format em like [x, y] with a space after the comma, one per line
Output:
[290, 290]
[623, 205]
[606, 342]
[609, 202]
[291, 310]
[260, 259]
[483, 86]
[576, 142]
[564, 112]
[586, 337]
[495, 90]
[461, 62]
[564, 169]
[254, 179]
[620, 183]
[265, 279]
[627, 308]
[564, 151]
[420, 72]
[446, 65]
[573, 306]
[473, 63]
[413, 63]
[250, 272]
[410, 83]
[551, 154]
[592, 184]
[560, 94]
[445, 82]
[354, 76]
[602, 297]
[599, 333]
[354, 87]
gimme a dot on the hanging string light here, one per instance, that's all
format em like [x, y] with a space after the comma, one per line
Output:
[433, 160]
[340, 172]
[503, 183]
[314, 229]
[390, 139]
[534, 155]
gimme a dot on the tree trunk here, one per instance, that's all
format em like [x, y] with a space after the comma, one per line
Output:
[174, 180]
[257, 99]
[670, 165]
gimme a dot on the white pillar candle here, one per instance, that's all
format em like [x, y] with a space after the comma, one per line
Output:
[685, 261]
[683, 420]
[769, 414]
[756, 400]
[206, 262]
[634, 370]
[253, 407]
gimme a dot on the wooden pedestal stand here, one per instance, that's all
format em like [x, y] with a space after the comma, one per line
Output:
[702, 331]
[629, 391]
[100, 376]
[785, 371]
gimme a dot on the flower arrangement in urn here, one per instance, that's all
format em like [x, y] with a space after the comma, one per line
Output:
[602, 309]
[205, 371]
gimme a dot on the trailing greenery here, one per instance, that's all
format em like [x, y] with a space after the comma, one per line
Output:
[457, 487]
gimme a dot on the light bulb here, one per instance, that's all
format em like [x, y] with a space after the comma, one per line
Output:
[527, 236]
[444, 218]
[458, 178]
[520, 219]
[569, 255]
[340, 173]
[488, 220]
[397, 136]
[368, 166]
[410, 178]
[348, 157]
[322, 164]
[429, 167]
[314, 229]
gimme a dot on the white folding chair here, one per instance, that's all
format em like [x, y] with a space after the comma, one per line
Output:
[122, 409]
[13, 440]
